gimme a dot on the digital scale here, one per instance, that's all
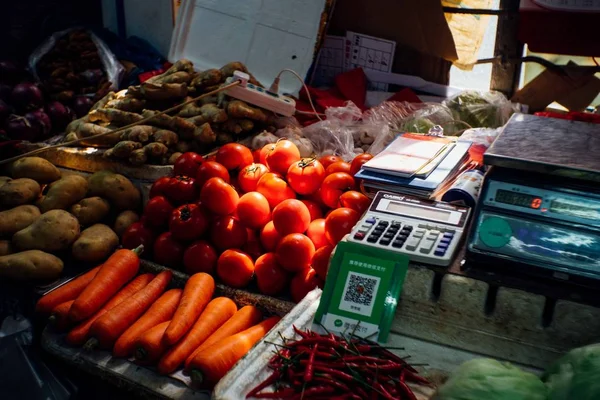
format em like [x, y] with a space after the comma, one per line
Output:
[426, 231]
[539, 208]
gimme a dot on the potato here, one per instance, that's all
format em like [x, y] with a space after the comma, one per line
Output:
[4, 179]
[5, 247]
[18, 191]
[36, 168]
[54, 230]
[63, 193]
[95, 244]
[115, 188]
[123, 221]
[18, 218]
[90, 210]
[32, 264]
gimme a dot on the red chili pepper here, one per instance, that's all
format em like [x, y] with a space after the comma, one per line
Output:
[405, 390]
[302, 334]
[412, 377]
[332, 382]
[367, 359]
[397, 359]
[316, 340]
[338, 374]
[382, 391]
[313, 391]
[270, 380]
[308, 374]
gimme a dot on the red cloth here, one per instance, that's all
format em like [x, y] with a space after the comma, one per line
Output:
[572, 115]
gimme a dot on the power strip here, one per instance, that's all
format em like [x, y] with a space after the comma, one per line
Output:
[260, 97]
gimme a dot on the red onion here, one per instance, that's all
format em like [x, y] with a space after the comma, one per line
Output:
[59, 114]
[9, 72]
[82, 105]
[19, 128]
[40, 119]
[5, 90]
[4, 111]
[26, 96]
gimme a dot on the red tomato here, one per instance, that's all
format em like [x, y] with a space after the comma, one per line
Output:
[181, 190]
[211, 169]
[274, 188]
[320, 261]
[262, 155]
[270, 277]
[269, 238]
[328, 160]
[339, 223]
[303, 282]
[234, 156]
[235, 268]
[333, 187]
[253, 210]
[358, 162]
[356, 201]
[200, 257]
[159, 186]
[281, 156]
[187, 164]
[291, 216]
[316, 233]
[228, 233]
[316, 198]
[313, 208]
[138, 234]
[253, 247]
[249, 176]
[188, 222]
[219, 197]
[295, 252]
[305, 176]
[339, 166]
[158, 211]
[168, 251]
[256, 155]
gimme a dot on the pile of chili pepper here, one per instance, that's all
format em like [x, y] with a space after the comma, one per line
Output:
[334, 368]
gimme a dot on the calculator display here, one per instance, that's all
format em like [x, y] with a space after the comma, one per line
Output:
[428, 213]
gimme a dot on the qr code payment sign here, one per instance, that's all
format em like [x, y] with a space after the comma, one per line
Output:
[359, 293]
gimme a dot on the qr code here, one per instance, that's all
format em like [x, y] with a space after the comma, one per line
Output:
[359, 293]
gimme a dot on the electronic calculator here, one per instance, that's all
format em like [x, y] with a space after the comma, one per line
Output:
[426, 231]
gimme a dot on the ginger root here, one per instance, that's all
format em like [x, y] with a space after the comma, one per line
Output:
[139, 133]
[155, 149]
[207, 78]
[130, 104]
[114, 116]
[163, 91]
[103, 101]
[183, 127]
[138, 157]
[204, 134]
[239, 109]
[166, 137]
[208, 113]
[123, 149]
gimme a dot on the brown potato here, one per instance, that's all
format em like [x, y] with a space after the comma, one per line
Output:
[4, 179]
[95, 244]
[5, 247]
[54, 230]
[15, 219]
[123, 221]
[36, 168]
[32, 264]
[18, 191]
[63, 193]
[90, 210]
[117, 189]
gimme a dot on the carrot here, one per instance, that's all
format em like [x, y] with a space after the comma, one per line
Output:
[107, 329]
[162, 310]
[197, 293]
[150, 346]
[120, 267]
[243, 319]
[211, 364]
[59, 319]
[216, 313]
[80, 333]
[66, 292]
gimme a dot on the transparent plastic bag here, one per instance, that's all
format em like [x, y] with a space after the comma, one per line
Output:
[482, 138]
[481, 109]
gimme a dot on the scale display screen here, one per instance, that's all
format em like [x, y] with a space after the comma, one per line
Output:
[429, 213]
[518, 199]
[575, 209]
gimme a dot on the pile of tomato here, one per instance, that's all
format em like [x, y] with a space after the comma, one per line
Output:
[266, 215]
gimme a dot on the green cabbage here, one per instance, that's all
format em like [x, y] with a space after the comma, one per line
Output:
[576, 375]
[417, 125]
[487, 379]
[480, 110]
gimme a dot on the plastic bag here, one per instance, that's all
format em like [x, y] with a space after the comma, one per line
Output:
[481, 109]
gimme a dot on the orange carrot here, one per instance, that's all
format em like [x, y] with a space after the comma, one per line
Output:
[243, 319]
[197, 293]
[119, 269]
[66, 292]
[150, 346]
[107, 329]
[211, 364]
[216, 313]
[80, 333]
[162, 310]
[59, 319]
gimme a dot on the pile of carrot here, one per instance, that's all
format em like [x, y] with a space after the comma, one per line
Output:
[112, 308]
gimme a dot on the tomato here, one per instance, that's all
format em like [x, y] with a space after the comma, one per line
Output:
[181, 190]
[159, 186]
[291, 216]
[211, 169]
[138, 234]
[168, 251]
[262, 155]
[339, 223]
[235, 268]
[358, 162]
[200, 256]
[333, 187]
[303, 282]
[187, 164]
[228, 233]
[320, 261]
[249, 176]
[274, 188]
[280, 156]
[253, 210]
[316, 233]
[253, 247]
[313, 208]
[295, 252]
[328, 160]
[234, 156]
[270, 277]
[339, 166]
[188, 222]
[316, 198]
[256, 156]
[356, 201]
[158, 211]
[219, 197]
[269, 238]
[305, 176]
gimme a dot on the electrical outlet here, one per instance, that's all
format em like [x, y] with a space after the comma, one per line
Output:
[260, 97]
